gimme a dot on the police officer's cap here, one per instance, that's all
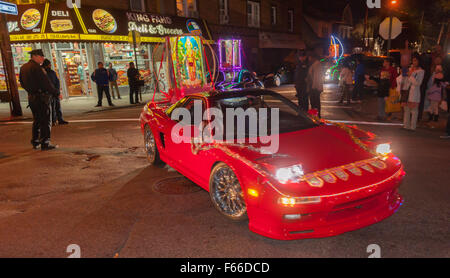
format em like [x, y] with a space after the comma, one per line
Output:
[37, 52]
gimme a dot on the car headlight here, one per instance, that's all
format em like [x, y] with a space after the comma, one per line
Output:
[384, 149]
[290, 174]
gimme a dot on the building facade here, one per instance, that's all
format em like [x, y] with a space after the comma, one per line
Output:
[269, 30]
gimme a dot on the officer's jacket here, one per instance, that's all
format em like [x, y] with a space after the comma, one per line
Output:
[34, 80]
[301, 73]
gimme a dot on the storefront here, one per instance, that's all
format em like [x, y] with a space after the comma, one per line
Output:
[75, 40]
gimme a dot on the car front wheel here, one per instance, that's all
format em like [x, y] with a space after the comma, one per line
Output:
[226, 193]
[151, 149]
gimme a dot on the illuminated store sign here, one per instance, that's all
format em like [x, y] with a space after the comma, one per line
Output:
[57, 22]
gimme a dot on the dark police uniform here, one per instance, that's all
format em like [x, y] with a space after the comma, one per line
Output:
[34, 80]
[301, 72]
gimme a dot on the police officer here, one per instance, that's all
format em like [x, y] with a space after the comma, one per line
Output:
[34, 80]
[56, 103]
[301, 72]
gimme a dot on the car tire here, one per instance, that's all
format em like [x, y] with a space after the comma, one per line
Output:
[151, 150]
[277, 81]
[226, 193]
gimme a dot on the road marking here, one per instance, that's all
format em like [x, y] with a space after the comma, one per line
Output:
[78, 121]
[343, 107]
[366, 123]
[136, 120]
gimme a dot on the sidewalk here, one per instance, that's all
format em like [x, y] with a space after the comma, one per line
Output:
[75, 106]
[368, 109]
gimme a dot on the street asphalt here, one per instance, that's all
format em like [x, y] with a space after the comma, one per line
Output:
[98, 191]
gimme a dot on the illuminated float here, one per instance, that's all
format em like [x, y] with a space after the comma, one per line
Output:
[181, 68]
[231, 74]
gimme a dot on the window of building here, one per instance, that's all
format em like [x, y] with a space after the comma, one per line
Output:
[253, 12]
[291, 20]
[273, 15]
[187, 8]
[324, 30]
[137, 5]
[223, 12]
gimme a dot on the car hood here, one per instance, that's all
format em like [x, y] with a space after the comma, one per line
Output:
[315, 149]
[318, 149]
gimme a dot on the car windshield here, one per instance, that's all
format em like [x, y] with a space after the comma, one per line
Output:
[261, 108]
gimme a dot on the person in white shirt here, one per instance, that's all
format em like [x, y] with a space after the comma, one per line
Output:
[415, 78]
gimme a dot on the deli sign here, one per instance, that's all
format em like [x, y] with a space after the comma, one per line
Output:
[151, 24]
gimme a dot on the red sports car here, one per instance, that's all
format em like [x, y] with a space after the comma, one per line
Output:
[322, 180]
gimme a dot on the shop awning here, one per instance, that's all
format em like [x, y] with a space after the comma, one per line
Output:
[280, 40]
[56, 22]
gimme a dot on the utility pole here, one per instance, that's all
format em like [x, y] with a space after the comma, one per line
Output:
[365, 27]
[390, 35]
[8, 64]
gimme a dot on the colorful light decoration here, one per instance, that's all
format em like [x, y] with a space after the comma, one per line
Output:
[337, 52]
[233, 64]
[230, 62]
[183, 59]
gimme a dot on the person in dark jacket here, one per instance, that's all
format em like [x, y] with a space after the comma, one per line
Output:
[388, 81]
[113, 81]
[301, 72]
[133, 78]
[56, 104]
[102, 77]
[33, 78]
[359, 78]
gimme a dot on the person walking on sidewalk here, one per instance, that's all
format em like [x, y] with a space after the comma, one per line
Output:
[415, 77]
[56, 103]
[34, 80]
[347, 82]
[133, 82]
[301, 72]
[315, 83]
[113, 81]
[388, 80]
[101, 77]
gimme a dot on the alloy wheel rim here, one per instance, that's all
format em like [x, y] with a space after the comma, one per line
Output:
[150, 145]
[227, 193]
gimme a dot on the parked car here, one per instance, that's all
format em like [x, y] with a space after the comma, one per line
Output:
[324, 179]
[282, 75]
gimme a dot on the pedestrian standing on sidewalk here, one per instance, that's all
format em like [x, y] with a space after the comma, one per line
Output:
[101, 77]
[81, 74]
[403, 86]
[113, 81]
[133, 82]
[56, 103]
[315, 82]
[34, 80]
[359, 77]
[347, 82]
[446, 96]
[415, 77]
[301, 73]
[388, 78]
[435, 92]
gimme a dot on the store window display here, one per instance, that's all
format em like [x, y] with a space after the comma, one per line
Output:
[120, 55]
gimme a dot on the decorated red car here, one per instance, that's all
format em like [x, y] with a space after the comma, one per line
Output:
[293, 177]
